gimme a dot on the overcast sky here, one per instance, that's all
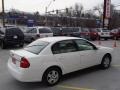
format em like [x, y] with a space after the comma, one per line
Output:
[39, 5]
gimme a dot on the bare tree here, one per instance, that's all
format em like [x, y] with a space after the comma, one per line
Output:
[78, 9]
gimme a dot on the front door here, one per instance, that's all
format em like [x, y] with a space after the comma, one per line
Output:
[88, 53]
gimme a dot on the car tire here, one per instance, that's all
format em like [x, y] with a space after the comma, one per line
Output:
[106, 61]
[51, 76]
[3, 46]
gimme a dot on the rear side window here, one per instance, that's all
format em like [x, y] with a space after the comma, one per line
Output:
[36, 47]
[45, 30]
[64, 47]
[31, 30]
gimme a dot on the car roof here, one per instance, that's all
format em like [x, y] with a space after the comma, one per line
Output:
[39, 27]
[58, 38]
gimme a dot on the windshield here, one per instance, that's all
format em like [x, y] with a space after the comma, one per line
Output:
[36, 47]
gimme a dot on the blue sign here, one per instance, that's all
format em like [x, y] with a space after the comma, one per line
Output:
[30, 23]
[98, 22]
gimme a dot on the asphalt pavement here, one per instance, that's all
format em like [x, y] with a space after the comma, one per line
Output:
[88, 79]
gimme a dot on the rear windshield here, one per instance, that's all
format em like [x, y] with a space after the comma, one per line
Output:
[31, 30]
[45, 30]
[56, 30]
[85, 30]
[98, 30]
[36, 47]
[76, 29]
[13, 31]
[93, 30]
[105, 30]
[68, 30]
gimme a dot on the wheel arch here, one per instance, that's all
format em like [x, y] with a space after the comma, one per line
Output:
[50, 67]
[108, 55]
[54, 66]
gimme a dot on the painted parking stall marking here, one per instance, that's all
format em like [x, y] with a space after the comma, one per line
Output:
[73, 88]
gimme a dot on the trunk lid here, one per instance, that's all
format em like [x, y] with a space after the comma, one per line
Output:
[17, 55]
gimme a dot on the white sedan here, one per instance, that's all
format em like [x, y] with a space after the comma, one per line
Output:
[47, 59]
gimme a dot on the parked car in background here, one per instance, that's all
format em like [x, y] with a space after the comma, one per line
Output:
[104, 33]
[47, 59]
[77, 31]
[93, 34]
[11, 36]
[85, 33]
[57, 31]
[34, 33]
[71, 31]
[115, 33]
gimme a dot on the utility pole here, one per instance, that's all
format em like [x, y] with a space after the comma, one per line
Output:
[106, 13]
[3, 13]
[46, 11]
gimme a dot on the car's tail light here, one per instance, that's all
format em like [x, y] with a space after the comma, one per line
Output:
[24, 63]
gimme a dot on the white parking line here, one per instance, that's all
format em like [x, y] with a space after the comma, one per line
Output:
[116, 65]
[73, 88]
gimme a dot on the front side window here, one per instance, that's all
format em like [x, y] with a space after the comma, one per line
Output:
[64, 47]
[36, 47]
[84, 45]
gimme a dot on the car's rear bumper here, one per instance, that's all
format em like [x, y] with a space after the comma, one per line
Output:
[21, 74]
[14, 42]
